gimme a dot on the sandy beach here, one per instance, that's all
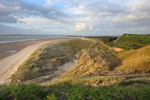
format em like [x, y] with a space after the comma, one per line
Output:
[13, 54]
[7, 49]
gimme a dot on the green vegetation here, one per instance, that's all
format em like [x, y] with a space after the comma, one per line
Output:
[108, 40]
[67, 91]
[132, 41]
[21, 92]
[134, 38]
[126, 41]
[127, 83]
[78, 44]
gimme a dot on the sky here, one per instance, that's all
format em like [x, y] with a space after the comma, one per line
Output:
[75, 17]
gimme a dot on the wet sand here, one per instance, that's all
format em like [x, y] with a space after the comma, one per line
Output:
[7, 49]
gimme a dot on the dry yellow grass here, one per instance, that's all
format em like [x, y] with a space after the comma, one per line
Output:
[96, 60]
[135, 61]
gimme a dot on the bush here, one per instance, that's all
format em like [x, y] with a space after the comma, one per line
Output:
[21, 92]
[127, 83]
[67, 91]
[78, 92]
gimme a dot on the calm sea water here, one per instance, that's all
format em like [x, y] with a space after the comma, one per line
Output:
[14, 38]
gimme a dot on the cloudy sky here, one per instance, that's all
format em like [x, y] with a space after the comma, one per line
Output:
[75, 17]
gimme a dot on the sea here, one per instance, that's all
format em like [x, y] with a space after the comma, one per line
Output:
[15, 38]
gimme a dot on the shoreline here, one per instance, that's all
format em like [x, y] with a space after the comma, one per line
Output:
[9, 64]
[37, 39]
[8, 49]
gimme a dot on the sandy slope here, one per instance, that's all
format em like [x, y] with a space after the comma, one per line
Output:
[10, 64]
[64, 68]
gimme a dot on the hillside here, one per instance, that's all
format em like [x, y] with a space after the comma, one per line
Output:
[96, 60]
[135, 61]
[132, 41]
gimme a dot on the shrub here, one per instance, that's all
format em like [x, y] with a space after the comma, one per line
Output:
[67, 91]
[22, 92]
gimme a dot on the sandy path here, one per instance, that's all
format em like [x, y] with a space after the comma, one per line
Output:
[65, 67]
[10, 64]
[61, 69]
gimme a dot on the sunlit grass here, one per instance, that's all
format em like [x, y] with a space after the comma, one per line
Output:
[135, 61]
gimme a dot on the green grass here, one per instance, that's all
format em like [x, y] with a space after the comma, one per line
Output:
[106, 39]
[132, 41]
[78, 44]
[21, 92]
[134, 38]
[131, 82]
[127, 41]
[67, 91]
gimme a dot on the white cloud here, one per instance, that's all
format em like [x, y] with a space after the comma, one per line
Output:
[90, 27]
[80, 27]
[49, 1]
[98, 29]
[140, 10]
[78, 16]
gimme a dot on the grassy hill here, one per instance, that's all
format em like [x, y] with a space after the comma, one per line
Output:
[132, 41]
[135, 61]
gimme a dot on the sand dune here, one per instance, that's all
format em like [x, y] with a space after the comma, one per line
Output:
[9, 64]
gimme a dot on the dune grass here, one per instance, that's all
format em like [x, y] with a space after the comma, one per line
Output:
[98, 59]
[94, 81]
[47, 58]
[78, 44]
[43, 61]
[135, 61]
